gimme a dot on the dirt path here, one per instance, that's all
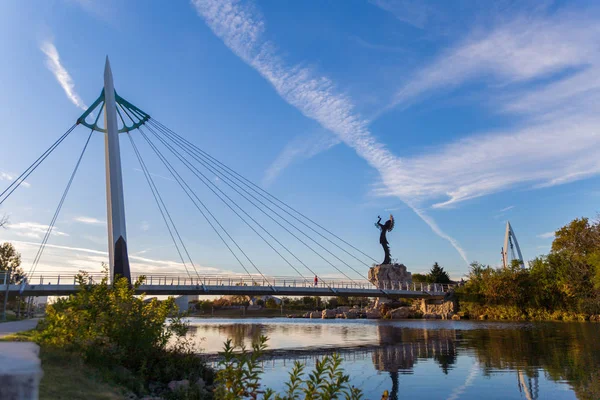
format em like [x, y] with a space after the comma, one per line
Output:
[8, 328]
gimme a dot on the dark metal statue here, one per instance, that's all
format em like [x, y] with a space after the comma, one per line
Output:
[385, 228]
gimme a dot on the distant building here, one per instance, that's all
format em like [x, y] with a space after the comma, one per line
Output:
[254, 300]
[183, 302]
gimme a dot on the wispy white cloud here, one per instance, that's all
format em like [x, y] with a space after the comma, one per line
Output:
[547, 235]
[4, 176]
[89, 220]
[301, 147]
[414, 13]
[241, 27]
[66, 258]
[145, 226]
[33, 230]
[96, 239]
[61, 74]
[543, 68]
[505, 209]
[524, 48]
[376, 46]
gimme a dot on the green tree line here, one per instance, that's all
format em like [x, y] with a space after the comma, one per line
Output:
[564, 283]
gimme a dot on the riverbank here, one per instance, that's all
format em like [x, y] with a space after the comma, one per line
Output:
[245, 312]
[475, 311]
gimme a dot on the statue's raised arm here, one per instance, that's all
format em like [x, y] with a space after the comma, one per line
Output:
[378, 224]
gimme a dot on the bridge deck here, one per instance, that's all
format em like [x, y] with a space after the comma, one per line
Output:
[65, 284]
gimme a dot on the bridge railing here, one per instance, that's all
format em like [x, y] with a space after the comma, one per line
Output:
[245, 280]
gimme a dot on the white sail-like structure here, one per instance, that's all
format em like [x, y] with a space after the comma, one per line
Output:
[510, 245]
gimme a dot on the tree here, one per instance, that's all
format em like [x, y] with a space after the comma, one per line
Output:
[271, 303]
[578, 239]
[3, 221]
[438, 275]
[10, 259]
[421, 278]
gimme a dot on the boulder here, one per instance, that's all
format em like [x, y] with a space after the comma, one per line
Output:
[456, 317]
[388, 276]
[315, 314]
[351, 314]
[343, 309]
[381, 301]
[432, 316]
[373, 314]
[328, 314]
[401, 313]
[340, 315]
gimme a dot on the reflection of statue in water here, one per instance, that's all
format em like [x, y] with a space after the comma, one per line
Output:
[401, 348]
[385, 228]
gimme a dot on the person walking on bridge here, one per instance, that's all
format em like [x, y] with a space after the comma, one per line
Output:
[316, 281]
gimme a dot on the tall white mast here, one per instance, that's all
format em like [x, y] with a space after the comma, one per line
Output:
[509, 240]
[115, 205]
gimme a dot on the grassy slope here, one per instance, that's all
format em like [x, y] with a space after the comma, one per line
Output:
[66, 377]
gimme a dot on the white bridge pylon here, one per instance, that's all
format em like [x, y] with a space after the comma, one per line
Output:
[510, 244]
[115, 203]
[107, 103]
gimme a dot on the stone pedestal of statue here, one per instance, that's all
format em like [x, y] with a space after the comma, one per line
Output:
[388, 276]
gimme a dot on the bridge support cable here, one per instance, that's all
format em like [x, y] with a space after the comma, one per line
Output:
[264, 194]
[38, 255]
[160, 203]
[236, 188]
[204, 179]
[196, 200]
[235, 212]
[233, 185]
[17, 182]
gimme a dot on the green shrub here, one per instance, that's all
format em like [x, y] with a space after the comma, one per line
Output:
[240, 372]
[111, 327]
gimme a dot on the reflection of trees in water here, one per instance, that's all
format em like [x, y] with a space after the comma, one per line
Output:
[567, 352]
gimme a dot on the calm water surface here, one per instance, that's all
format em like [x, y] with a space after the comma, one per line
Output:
[429, 359]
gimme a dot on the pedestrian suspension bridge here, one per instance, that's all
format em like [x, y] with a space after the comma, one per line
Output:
[254, 207]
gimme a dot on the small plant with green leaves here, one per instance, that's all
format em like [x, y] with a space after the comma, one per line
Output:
[240, 373]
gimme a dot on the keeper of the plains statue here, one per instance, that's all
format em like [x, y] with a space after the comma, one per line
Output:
[385, 228]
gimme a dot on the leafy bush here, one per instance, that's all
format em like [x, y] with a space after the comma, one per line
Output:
[111, 327]
[271, 303]
[239, 378]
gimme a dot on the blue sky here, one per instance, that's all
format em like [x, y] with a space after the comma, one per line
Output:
[455, 117]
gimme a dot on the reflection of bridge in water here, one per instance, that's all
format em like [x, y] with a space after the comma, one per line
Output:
[397, 350]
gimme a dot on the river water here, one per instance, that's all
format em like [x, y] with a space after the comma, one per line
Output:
[420, 359]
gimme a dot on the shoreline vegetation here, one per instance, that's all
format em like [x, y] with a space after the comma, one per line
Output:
[561, 286]
[105, 342]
